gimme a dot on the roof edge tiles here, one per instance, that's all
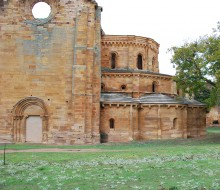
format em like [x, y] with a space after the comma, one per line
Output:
[147, 99]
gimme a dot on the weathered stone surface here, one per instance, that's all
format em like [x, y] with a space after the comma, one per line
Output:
[58, 68]
[53, 61]
[142, 101]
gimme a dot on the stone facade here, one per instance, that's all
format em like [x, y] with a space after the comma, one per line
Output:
[142, 103]
[64, 79]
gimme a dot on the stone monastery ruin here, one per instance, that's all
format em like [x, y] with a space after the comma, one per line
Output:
[64, 81]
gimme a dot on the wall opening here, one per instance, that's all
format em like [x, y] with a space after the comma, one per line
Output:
[112, 123]
[102, 87]
[175, 123]
[215, 122]
[113, 60]
[41, 10]
[103, 137]
[30, 121]
[154, 85]
[123, 87]
[140, 62]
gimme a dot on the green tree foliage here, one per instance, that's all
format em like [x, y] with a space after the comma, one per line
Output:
[198, 68]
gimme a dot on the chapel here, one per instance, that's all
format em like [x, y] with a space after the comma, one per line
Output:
[64, 81]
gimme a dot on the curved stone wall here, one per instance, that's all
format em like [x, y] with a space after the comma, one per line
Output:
[127, 49]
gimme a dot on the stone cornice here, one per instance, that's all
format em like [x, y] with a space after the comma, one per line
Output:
[141, 75]
[149, 106]
[135, 41]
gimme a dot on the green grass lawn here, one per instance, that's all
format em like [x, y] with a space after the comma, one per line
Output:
[213, 130]
[163, 164]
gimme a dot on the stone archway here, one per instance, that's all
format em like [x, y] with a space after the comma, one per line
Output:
[28, 113]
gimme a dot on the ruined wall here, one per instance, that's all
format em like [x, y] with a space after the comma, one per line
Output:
[57, 60]
[127, 49]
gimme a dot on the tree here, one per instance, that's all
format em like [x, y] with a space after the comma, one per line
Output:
[198, 68]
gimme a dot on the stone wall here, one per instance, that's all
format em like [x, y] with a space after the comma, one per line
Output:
[169, 118]
[56, 60]
[147, 122]
[196, 121]
[54, 70]
[139, 83]
[127, 49]
[122, 130]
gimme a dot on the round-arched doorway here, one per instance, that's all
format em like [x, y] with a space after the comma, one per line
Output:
[30, 121]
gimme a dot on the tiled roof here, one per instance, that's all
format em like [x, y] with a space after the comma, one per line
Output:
[147, 99]
[116, 97]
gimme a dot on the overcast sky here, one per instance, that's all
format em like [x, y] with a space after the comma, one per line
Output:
[169, 22]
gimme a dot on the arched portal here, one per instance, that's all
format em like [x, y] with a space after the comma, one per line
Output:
[30, 121]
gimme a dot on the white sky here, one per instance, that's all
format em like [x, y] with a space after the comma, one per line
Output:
[169, 22]
[41, 10]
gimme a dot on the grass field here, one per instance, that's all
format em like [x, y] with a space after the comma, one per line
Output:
[157, 165]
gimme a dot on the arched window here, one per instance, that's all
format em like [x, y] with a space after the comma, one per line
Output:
[112, 123]
[102, 87]
[113, 60]
[175, 123]
[140, 62]
[154, 86]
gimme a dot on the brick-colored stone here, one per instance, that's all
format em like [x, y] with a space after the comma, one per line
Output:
[54, 68]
